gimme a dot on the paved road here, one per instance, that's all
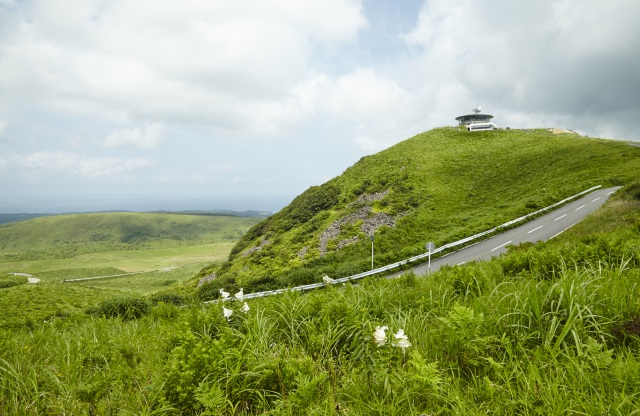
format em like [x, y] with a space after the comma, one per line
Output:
[541, 229]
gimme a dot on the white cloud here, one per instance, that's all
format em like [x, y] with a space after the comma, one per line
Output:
[146, 138]
[225, 167]
[208, 174]
[231, 65]
[290, 93]
[368, 109]
[47, 165]
[368, 144]
[363, 95]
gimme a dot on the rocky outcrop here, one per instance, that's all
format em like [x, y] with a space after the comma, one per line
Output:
[206, 279]
[370, 222]
[347, 242]
[256, 248]
[370, 198]
[333, 230]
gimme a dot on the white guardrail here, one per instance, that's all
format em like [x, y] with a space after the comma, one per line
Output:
[412, 259]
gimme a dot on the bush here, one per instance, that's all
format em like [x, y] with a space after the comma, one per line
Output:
[544, 260]
[466, 279]
[125, 308]
[216, 375]
[167, 298]
[314, 200]
[165, 311]
[260, 284]
[633, 190]
[211, 290]
[254, 232]
[300, 276]
[9, 280]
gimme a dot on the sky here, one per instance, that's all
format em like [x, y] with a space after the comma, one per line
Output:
[149, 105]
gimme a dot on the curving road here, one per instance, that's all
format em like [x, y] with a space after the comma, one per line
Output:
[541, 229]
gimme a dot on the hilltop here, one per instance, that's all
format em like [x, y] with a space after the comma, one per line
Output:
[437, 186]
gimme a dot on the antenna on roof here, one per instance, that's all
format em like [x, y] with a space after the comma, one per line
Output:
[477, 110]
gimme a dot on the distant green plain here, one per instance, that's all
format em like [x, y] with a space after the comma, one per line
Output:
[127, 253]
[127, 261]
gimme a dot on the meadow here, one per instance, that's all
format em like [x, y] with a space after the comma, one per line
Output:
[127, 253]
[549, 328]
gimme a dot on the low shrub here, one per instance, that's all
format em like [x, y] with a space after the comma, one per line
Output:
[168, 298]
[165, 311]
[9, 280]
[211, 290]
[260, 284]
[125, 308]
[298, 277]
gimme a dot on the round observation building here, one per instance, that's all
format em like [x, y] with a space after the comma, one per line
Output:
[476, 117]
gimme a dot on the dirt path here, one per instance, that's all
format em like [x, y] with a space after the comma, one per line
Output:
[30, 277]
[83, 279]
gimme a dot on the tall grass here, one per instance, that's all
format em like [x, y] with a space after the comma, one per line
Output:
[497, 343]
[552, 328]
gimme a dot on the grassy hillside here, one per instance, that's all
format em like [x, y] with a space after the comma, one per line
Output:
[550, 328]
[438, 186]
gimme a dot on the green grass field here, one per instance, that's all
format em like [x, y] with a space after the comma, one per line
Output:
[547, 328]
[550, 328]
[170, 251]
[126, 261]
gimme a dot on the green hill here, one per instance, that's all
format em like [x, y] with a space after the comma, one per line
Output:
[64, 236]
[438, 186]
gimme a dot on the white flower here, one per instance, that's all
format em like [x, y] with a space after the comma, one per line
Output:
[224, 295]
[327, 280]
[245, 307]
[227, 312]
[240, 295]
[401, 340]
[379, 336]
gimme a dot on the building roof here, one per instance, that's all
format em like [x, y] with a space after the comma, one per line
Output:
[476, 117]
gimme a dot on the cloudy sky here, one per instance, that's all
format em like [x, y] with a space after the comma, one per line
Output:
[201, 104]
